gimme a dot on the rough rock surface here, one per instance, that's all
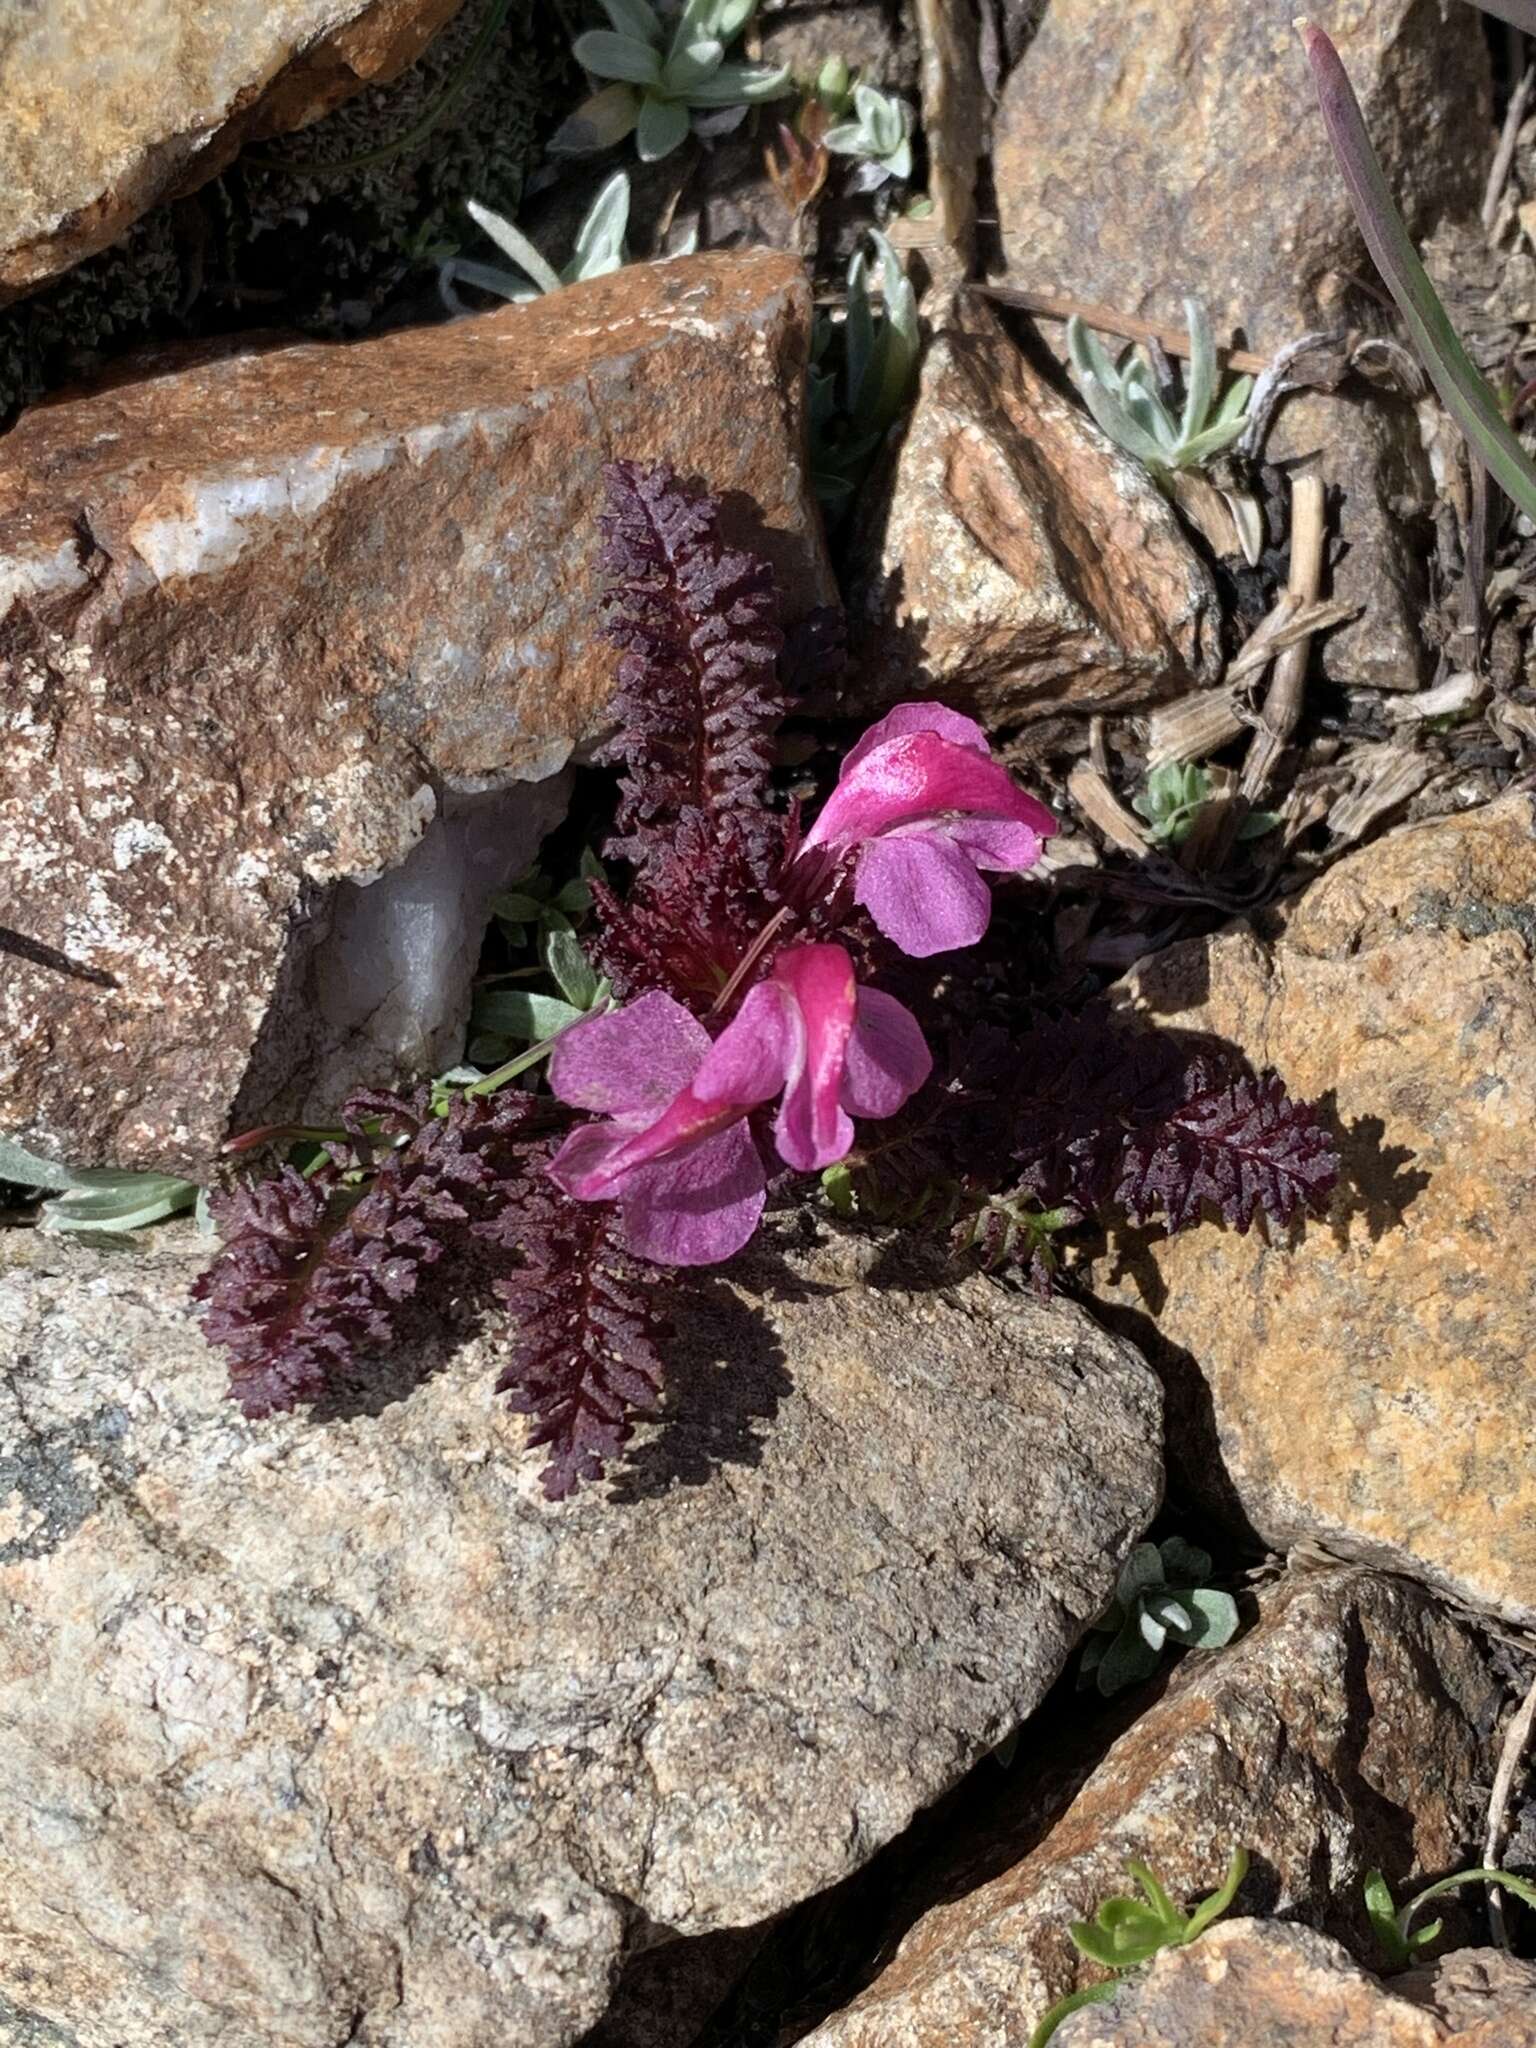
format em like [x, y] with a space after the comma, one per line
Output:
[263, 616]
[327, 1726]
[1262, 1984]
[1368, 1387]
[1025, 565]
[1185, 154]
[1303, 1743]
[103, 123]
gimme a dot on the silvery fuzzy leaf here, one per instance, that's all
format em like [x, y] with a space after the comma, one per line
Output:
[1200, 378]
[1152, 1631]
[27, 1170]
[736, 84]
[515, 1013]
[598, 123]
[662, 126]
[514, 243]
[1214, 1619]
[689, 67]
[607, 55]
[1184, 1564]
[600, 249]
[635, 19]
[1143, 1568]
[112, 1201]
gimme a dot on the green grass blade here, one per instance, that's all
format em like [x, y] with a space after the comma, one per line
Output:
[1464, 392]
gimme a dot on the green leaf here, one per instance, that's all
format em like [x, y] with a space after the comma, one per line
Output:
[662, 126]
[28, 1171]
[109, 1200]
[574, 974]
[1200, 378]
[734, 85]
[1167, 1912]
[600, 249]
[837, 1186]
[634, 19]
[687, 69]
[1215, 1617]
[1184, 1564]
[1089, 1994]
[1212, 1908]
[598, 123]
[1127, 1661]
[1142, 1568]
[1464, 392]
[1382, 1914]
[514, 1013]
[514, 243]
[607, 55]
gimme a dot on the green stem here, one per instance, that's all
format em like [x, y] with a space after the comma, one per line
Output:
[489, 1083]
[451, 93]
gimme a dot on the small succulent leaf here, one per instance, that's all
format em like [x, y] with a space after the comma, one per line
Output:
[598, 123]
[663, 124]
[1162, 1906]
[1142, 1568]
[730, 17]
[733, 84]
[1423, 1936]
[1088, 355]
[1127, 1661]
[635, 20]
[1200, 378]
[688, 68]
[1117, 423]
[1088, 1994]
[1220, 1900]
[574, 975]
[1185, 1564]
[1382, 1913]
[845, 139]
[1235, 404]
[1097, 1946]
[514, 243]
[1153, 1632]
[1170, 1609]
[26, 1170]
[1522, 1887]
[1211, 442]
[600, 249]
[113, 1201]
[486, 278]
[607, 55]
[1214, 1617]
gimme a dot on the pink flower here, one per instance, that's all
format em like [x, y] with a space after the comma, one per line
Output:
[675, 1149]
[922, 798]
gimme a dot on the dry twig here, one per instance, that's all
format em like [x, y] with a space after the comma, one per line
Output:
[1282, 703]
[1051, 306]
[1516, 1737]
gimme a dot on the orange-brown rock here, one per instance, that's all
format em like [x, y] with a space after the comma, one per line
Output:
[111, 109]
[1026, 566]
[1369, 1386]
[267, 615]
[1348, 1730]
[1263, 1984]
[1184, 153]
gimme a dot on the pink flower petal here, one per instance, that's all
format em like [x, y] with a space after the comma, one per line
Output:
[999, 842]
[923, 893]
[916, 777]
[812, 1130]
[629, 1062]
[584, 1164]
[927, 717]
[756, 1053]
[888, 1057]
[699, 1206]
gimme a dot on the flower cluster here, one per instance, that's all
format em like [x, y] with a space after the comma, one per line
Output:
[919, 811]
